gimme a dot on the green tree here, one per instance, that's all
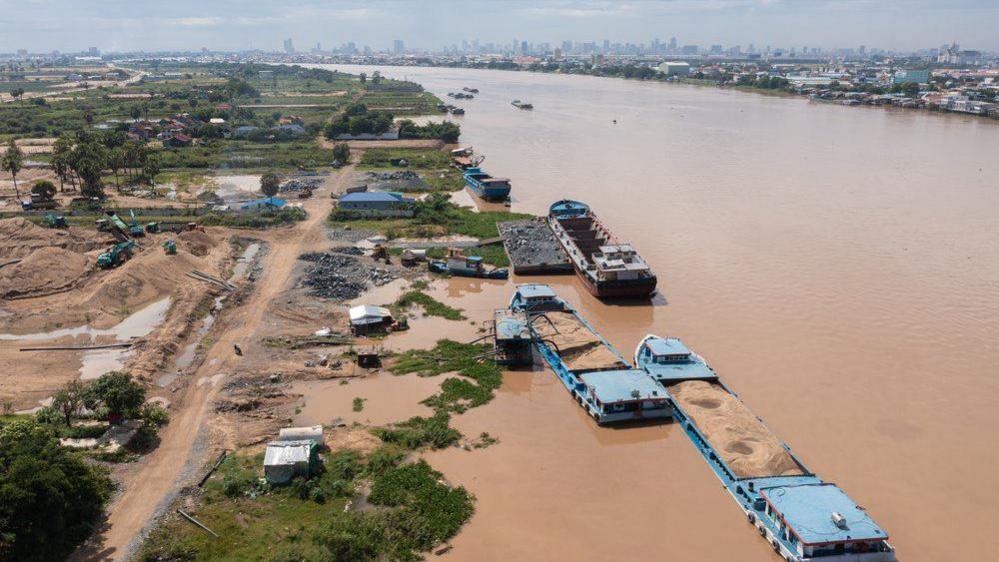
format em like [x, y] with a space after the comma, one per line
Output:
[364, 77]
[44, 189]
[49, 500]
[70, 399]
[89, 160]
[341, 152]
[269, 184]
[121, 395]
[13, 161]
[18, 94]
[62, 154]
[117, 159]
[151, 168]
[135, 112]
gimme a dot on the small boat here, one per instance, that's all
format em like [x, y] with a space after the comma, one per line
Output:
[457, 111]
[486, 186]
[521, 104]
[466, 266]
[471, 90]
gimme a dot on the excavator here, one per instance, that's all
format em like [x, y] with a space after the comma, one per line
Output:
[122, 250]
[116, 255]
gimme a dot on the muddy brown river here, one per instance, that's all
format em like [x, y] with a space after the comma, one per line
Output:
[839, 267]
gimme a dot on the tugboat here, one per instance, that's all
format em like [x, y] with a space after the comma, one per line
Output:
[608, 268]
[486, 186]
[521, 104]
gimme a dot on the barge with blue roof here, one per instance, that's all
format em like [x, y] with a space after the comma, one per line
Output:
[608, 268]
[596, 375]
[801, 516]
[486, 186]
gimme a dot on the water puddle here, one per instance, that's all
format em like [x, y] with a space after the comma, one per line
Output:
[244, 262]
[387, 398]
[99, 361]
[384, 294]
[237, 188]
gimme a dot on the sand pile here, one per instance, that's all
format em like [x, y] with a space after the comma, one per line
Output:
[744, 443]
[567, 332]
[196, 242]
[43, 271]
[20, 237]
[598, 358]
[580, 349]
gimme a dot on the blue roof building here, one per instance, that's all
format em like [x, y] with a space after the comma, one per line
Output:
[376, 204]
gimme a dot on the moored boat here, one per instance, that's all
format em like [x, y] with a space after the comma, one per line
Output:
[521, 104]
[486, 186]
[466, 266]
[608, 268]
[597, 376]
[801, 516]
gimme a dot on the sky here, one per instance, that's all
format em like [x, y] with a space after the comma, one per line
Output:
[129, 25]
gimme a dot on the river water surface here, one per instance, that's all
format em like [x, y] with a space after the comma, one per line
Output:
[839, 267]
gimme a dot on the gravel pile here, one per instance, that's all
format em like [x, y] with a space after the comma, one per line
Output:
[348, 251]
[352, 236]
[341, 277]
[531, 243]
[402, 180]
[301, 184]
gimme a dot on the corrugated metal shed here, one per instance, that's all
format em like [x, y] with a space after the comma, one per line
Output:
[285, 460]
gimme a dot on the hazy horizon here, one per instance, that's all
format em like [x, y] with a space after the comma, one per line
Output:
[117, 25]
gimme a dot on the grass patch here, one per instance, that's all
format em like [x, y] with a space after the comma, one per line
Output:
[476, 385]
[418, 432]
[430, 305]
[310, 519]
[359, 404]
[418, 158]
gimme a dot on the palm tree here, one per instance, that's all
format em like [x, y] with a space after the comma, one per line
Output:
[13, 161]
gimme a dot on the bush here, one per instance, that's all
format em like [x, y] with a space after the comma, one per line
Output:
[49, 500]
[417, 432]
[352, 537]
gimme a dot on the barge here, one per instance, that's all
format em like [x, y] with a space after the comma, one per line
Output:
[466, 266]
[596, 375]
[801, 516]
[608, 268]
[486, 186]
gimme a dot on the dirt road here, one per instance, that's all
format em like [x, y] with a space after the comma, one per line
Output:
[163, 470]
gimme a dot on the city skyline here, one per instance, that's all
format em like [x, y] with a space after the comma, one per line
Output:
[228, 25]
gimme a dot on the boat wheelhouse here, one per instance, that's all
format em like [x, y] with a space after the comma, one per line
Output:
[802, 517]
[485, 185]
[608, 268]
[597, 376]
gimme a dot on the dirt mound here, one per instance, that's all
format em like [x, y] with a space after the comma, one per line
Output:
[20, 237]
[196, 242]
[43, 271]
[744, 443]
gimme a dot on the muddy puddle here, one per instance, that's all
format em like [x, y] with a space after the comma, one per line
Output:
[237, 187]
[95, 363]
[387, 398]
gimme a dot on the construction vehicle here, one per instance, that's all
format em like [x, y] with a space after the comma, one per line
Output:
[152, 227]
[116, 255]
[53, 220]
[115, 226]
[170, 247]
[135, 229]
[195, 226]
[39, 201]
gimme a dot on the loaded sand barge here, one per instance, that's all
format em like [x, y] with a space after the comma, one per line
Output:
[596, 375]
[802, 517]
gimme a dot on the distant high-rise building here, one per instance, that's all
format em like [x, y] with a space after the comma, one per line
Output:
[606, 46]
[94, 52]
[289, 47]
[716, 49]
[22, 52]
[672, 43]
[524, 48]
[689, 50]
[398, 46]
[566, 47]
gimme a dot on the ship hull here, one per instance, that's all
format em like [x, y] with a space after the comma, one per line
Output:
[488, 193]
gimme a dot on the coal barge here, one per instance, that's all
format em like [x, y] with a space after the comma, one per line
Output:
[608, 268]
